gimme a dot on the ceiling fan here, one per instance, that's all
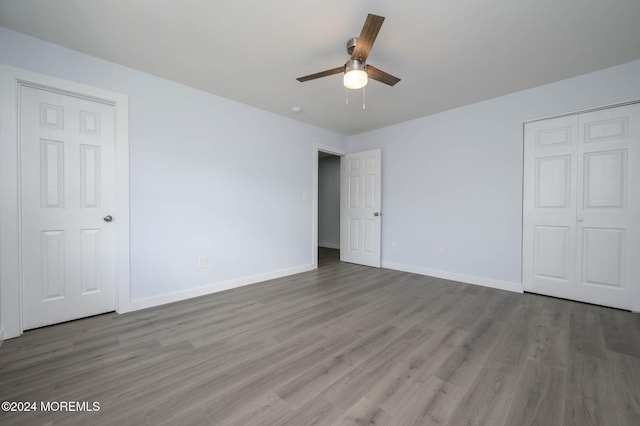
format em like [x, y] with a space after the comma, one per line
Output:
[356, 70]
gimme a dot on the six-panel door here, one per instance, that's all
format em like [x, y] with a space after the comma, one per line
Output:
[67, 188]
[360, 208]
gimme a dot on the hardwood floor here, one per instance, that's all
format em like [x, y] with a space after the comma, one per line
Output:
[341, 345]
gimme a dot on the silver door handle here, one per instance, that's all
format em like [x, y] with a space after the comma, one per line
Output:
[376, 214]
[108, 218]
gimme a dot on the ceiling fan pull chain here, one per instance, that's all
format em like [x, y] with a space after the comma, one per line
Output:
[364, 106]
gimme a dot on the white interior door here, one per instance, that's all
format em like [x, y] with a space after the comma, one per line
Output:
[581, 221]
[549, 218]
[360, 208]
[67, 193]
[608, 206]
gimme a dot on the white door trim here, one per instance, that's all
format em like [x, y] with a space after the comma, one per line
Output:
[11, 79]
[314, 197]
[583, 111]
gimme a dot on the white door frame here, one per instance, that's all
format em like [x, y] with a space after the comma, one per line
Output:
[11, 79]
[314, 197]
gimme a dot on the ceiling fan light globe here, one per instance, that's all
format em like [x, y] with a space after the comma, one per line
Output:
[355, 79]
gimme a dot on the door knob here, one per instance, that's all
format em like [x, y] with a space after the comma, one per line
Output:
[108, 218]
[376, 213]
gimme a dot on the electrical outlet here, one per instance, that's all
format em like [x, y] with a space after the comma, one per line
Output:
[202, 262]
[394, 246]
[443, 252]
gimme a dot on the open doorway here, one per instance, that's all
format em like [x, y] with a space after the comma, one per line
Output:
[328, 208]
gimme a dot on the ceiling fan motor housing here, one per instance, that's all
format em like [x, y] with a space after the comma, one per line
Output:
[351, 44]
[355, 64]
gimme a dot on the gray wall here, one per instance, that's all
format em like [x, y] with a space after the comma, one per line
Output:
[454, 180]
[200, 185]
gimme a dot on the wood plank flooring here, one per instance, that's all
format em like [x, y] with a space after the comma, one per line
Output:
[341, 345]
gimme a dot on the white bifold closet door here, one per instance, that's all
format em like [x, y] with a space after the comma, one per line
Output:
[581, 206]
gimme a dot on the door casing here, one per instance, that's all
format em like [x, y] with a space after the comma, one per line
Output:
[11, 79]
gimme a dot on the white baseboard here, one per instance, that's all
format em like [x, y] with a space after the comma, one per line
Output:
[329, 245]
[467, 279]
[1, 336]
[177, 296]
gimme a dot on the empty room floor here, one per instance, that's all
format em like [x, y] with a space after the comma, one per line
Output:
[340, 345]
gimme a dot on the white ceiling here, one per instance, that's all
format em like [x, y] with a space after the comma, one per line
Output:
[447, 53]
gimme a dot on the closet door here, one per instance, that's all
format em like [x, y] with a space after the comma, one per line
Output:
[608, 206]
[581, 205]
[549, 219]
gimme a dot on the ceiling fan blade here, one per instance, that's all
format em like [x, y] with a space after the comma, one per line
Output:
[321, 74]
[368, 35]
[381, 76]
